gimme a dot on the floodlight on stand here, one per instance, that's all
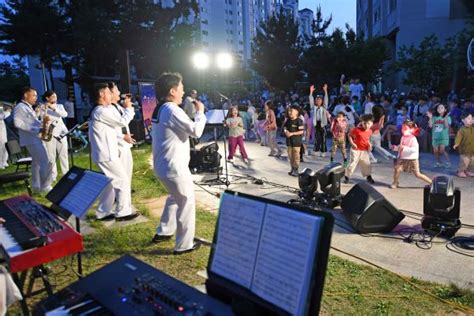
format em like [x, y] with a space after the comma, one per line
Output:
[441, 206]
[201, 60]
[308, 183]
[224, 61]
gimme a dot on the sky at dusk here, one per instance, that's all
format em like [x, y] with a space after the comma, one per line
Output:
[343, 11]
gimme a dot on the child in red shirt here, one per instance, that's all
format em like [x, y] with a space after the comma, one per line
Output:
[359, 137]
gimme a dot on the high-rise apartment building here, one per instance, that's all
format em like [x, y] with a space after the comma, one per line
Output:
[407, 22]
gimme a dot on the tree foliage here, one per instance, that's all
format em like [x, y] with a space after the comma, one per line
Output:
[276, 52]
[92, 34]
[13, 77]
[344, 53]
[426, 66]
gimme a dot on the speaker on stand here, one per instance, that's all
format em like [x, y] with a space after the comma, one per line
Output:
[368, 211]
[137, 128]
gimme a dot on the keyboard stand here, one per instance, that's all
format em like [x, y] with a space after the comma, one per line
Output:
[35, 273]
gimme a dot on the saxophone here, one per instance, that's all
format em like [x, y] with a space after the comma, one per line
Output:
[47, 127]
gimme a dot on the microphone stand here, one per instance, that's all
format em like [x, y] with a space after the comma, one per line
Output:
[69, 140]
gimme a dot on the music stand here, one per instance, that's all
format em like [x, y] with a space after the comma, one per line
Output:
[216, 118]
[69, 140]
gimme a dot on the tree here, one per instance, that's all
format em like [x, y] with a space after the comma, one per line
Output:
[277, 50]
[344, 53]
[13, 78]
[320, 25]
[427, 66]
[34, 27]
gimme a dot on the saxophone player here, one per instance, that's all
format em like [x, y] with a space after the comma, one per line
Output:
[29, 128]
[57, 147]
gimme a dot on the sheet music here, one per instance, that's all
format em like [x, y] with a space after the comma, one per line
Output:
[216, 116]
[240, 222]
[285, 258]
[84, 193]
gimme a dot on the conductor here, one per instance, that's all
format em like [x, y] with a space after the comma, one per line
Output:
[171, 129]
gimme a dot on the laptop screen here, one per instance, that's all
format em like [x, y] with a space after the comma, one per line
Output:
[269, 256]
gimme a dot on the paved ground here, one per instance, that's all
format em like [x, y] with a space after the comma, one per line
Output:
[437, 264]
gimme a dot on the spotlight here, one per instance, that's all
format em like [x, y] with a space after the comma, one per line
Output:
[224, 61]
[308, 183]
[441, 207]
[201, 60]
[329, 179]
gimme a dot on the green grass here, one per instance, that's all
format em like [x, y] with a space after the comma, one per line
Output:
[350, 288]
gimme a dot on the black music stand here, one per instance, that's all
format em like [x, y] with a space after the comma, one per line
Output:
[216, 118]
[74, 194]
[69, 139]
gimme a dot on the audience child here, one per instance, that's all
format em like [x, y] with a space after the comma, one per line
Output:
[293, 129]
[236, 135]
[359, 137]
[440, 121]
[271, 130]
[261, 132]
[464, 143]
[408, 154]
[376, 139]
[339, 130]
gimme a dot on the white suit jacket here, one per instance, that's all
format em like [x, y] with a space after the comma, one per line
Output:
[28, 124]
[57, 117]
[102, 132]
[121, 142]
[171, 152]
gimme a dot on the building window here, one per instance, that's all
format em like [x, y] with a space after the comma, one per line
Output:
[204, 32]
[204, 22]
[230, 12]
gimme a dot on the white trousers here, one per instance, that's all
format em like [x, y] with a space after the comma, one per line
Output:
[58, 149]
[376, 141]
[41, 167]
[127, 161]
[117, 192]
[359, 157]
[3, 155]
[179, 214]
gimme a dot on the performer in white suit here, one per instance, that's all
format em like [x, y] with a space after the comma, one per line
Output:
[105, 154]
[57, 148]
[125, 139]
[29, 127]
[171, 130]
[3, 138]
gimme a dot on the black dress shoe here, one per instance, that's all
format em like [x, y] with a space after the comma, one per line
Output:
[127, 217]
[196, 246]
[107, 218]
[159, 238]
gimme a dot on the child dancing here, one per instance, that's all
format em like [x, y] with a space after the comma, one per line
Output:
[408, 154]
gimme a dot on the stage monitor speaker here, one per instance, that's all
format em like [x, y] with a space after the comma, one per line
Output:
[137, 128]
[368, 211]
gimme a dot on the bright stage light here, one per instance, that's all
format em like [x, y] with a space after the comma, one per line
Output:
[201, 60]
[224, 61]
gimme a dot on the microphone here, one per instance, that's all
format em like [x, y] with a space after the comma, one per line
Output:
[222, 96]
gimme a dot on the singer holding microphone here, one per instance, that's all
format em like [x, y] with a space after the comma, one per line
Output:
[29, 128]
[57, 146]
[171, 153]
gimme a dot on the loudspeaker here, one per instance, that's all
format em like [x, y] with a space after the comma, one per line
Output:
[137, 128]
[207, 158]
[368, 211]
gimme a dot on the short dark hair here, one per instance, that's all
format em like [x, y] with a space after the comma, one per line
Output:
[98, 87]
[464, 115]
[111, 84]
[26, 89]
[355, 97]
[269, 103]
[165, 82]
[47, 94]
[340, 113]
[367, 118]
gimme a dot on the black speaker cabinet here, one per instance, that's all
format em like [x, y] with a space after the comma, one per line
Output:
[137, 128]
[368, 211]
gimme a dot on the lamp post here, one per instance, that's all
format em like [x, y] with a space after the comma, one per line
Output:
[202, 61]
